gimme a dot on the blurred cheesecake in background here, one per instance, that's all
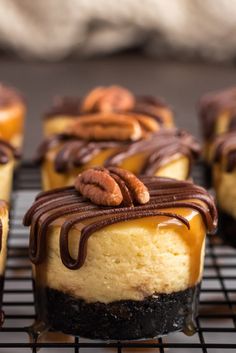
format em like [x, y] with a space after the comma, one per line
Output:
[12, 116]
[217, 114]
[3, 249]
[8, 158]
[165, 152]
[224, 181]
[112, 99]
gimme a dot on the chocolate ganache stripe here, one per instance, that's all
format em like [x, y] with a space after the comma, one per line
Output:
[160, 148]
[225, 150]
[9, 96]
[6, 150]
[164, 194]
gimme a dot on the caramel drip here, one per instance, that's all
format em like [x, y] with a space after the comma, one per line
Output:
[6, 151]
[160, 148]
[212, 105]
[72, 107]
[165, 194]
[225, 150]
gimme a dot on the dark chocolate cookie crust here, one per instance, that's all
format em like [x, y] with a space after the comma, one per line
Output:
[121, 320]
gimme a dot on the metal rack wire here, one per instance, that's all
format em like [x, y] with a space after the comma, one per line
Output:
[216, 321]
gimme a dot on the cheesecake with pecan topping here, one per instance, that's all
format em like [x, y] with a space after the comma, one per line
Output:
[12, 116]
[3, 249]
[117, 257]
[8, 158]
[65, 111]
[224, 181]
[217, 114]
[167, 152]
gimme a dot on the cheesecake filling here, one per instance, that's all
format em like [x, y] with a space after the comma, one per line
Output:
[3, 250]
[8, 156]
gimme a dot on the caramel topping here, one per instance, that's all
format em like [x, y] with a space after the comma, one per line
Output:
[8, 96]
[167, 196]
[212, 105]
[159, 149]
[108, 99]
[225, 150]
[111, 187]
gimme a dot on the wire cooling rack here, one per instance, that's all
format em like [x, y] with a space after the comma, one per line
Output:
[216, 321]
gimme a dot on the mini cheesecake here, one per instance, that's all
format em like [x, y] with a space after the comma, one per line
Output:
[217, 114]
[117, 257]
[66, 110]
[167, 152]
[3, 249]
[12, 116]
[8, 157]
[224, 178]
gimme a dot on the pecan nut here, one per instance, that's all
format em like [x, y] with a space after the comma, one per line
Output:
[139, 192]
[107, 126]
[98, 186]
[108, 99]
[111, 187]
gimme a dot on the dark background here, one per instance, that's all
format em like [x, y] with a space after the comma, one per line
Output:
[180, 83]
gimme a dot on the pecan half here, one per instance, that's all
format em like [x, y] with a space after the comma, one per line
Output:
[108, 99]
[107, 126]
[99, 187]
[139, 192]
[111, 187]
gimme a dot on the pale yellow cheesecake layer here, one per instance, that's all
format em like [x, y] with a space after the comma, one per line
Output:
[3, 252]
[128, 260]
[6, 176]
[57, 124]
[225, 188]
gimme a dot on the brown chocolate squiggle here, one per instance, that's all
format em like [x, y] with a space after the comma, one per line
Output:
[8, 96]
[66, 202]
[159, 148]
[225, 150]
[212, 105]
[7, 151]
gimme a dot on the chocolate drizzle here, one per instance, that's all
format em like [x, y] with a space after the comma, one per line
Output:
[7, 151]
[225, 150]
[212, 105]
[69, 204]
[159, 148]
[8, 96]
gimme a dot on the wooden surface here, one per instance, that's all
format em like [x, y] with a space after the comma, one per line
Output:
[180, 83]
